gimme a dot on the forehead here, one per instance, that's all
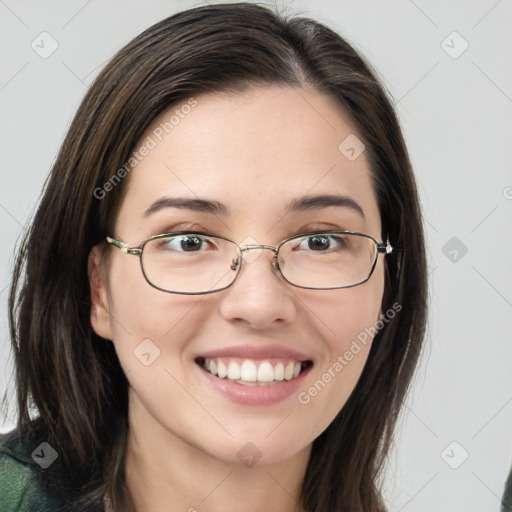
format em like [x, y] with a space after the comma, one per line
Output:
[258, 149]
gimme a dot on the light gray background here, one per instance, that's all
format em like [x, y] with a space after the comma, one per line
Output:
[457, 118]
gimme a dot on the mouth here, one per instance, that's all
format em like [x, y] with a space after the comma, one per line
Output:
[254, 372]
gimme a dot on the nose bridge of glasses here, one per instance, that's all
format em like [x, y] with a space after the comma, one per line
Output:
[252, 257]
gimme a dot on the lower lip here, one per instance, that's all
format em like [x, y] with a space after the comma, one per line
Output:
[255, 395]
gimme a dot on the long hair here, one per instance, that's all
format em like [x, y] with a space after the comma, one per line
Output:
[73, 377]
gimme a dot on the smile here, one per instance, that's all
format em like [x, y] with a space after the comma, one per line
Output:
[253, 372]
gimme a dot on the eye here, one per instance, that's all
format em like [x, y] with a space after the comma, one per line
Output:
[322, 243]
[186, 243]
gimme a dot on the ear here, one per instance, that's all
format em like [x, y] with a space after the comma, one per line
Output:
[100, 310]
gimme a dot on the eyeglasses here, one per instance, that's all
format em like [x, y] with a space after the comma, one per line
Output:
[194, 263]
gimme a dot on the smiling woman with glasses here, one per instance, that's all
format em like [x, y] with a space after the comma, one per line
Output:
[221, 300]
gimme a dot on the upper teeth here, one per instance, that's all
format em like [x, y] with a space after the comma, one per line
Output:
[252, 371]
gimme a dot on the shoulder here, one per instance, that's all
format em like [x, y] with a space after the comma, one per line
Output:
[33, 479]
[20, 488]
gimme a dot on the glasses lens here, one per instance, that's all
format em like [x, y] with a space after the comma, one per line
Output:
[327, 260]
[190, 263]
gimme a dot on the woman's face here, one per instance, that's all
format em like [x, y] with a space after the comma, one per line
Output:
[255, 154]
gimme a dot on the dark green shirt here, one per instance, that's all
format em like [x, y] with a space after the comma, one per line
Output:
[26, 478]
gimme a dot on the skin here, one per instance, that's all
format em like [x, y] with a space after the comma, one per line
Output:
[253, 152]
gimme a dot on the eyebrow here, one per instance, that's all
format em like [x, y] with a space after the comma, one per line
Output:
[215, 207]
[325, 201]
[198, 205]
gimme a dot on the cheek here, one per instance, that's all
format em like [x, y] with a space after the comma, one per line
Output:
[349, 325]
[148, 321]
[353, 312]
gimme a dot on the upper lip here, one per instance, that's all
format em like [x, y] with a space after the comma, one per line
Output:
[257, 352]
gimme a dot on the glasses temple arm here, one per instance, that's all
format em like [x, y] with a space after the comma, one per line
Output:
[387, 248]
[124, 247]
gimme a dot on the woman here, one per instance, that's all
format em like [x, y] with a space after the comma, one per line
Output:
[221, 300]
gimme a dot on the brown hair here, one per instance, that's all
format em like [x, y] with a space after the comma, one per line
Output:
[73, 377]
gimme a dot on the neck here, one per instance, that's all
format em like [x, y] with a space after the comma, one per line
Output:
[166, 473]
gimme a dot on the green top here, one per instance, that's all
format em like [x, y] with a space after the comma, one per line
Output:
[26, 478]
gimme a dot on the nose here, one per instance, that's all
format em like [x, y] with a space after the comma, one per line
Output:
[259, 297]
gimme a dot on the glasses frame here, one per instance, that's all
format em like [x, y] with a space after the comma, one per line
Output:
[381, 248]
